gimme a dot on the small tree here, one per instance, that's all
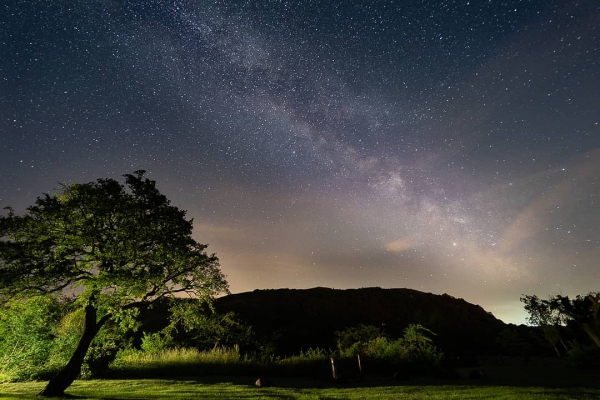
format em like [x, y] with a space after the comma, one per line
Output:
[118, 247]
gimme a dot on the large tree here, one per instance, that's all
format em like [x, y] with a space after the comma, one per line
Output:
[116, 247]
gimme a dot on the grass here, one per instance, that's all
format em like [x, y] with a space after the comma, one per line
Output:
[219, 361]
[178, 357]
[288, 388]
[179, 362]
[224, 374]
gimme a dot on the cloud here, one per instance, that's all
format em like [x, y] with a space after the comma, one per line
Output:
[400, 245]
[535, 217]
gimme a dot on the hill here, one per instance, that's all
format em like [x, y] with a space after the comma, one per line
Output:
[296, 319]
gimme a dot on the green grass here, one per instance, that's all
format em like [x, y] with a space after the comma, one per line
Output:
[181, 362]
[177, 357]
[288, 388]
[224, 374]
[219, 361]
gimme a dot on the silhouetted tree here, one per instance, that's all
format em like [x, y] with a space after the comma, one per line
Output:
[117, 247]
[558, 309]
[583, 310]
[543, 314]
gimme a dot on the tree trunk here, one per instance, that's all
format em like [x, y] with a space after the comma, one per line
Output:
[56, 386]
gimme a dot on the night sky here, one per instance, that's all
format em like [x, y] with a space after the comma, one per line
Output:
[445, 146]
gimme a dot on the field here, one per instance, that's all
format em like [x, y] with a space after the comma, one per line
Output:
[506, 384]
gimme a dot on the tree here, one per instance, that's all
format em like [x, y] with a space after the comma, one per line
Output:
[583, 310]
[117, 247]
[557, 310]
[546, 317]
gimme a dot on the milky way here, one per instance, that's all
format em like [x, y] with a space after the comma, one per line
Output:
[449, 147]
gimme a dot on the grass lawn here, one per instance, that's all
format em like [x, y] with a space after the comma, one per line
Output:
[296, 388]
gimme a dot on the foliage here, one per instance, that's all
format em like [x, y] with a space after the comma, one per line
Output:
[104, 348]
[543, 314]
[195, 325]
[314, 354]
[382, 348]
[583, 310]
[38, 335]
[354, 340]
[154, 343]
[118, 247]
[559, 310]
[26, 337]
[415, 346]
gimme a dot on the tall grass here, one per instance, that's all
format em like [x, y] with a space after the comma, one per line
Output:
[178, 356]
[218, 361]
[181, 362]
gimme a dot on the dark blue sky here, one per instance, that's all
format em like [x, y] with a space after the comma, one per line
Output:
[450, 147]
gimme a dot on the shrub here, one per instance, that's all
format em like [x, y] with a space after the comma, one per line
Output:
[155, 343]
[353, 341]
[38, 336]
[419, 347]
[26, 337]
[414, 347]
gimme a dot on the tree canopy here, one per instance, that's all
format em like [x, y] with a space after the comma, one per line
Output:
[584, 311]
[541, 313]
[115, 247]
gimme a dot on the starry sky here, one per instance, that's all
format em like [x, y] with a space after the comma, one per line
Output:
[445, 146]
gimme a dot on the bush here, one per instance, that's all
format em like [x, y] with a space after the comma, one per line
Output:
[419, 347]
[39, 335]
[415, 347]
[155, 343]
[385, 349]
[353, 341]
[26, 337]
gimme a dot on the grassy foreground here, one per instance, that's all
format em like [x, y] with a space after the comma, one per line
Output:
[287, 388]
